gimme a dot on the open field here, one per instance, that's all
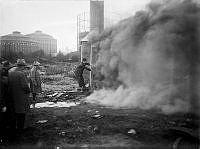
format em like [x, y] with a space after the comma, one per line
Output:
[90, 125]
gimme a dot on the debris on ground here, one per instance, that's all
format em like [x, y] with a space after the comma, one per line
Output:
[96, 129]
[85, 124]
[41, 121]
[89, 110]
[59, 94]
[172, 122]
[132, 131]
[62, 133]
[56, 104]
[97, 116]
[63, 95]
[54, 94]
[186, 131]
[175, 145]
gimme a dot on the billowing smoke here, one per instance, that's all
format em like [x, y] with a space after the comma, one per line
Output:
[151, 60]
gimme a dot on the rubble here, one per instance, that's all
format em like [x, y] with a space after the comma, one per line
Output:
[59, 94]
[84, 146]
[132, 131]
[42, 121]
[97, 116]
[188, 120]
[55, 104]
[96, 129]
[186, 131]
[82, 124]
[64, 95]
[175, 145]
[172, 122]
[54, 94]
[62, 133]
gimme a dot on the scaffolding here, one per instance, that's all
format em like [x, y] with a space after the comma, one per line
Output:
[82, 27]
[89, 22]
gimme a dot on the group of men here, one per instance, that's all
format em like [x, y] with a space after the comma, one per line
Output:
[15, 90]
[16, 87]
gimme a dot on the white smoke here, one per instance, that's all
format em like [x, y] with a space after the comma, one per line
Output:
[149, 58]
[138, 97]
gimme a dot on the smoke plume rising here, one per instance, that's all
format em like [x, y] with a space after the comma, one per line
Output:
[151, 60]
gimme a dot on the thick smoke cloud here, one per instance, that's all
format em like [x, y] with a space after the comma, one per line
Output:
[151, 60]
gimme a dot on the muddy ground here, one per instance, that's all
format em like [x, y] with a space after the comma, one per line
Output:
[77, 127]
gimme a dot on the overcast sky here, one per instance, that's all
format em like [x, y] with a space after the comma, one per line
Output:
[58, 17]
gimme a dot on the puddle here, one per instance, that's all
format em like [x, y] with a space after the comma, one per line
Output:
[53, 104]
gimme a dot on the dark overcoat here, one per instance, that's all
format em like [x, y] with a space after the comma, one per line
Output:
[79, 73]
[19, 90]
[35, 83]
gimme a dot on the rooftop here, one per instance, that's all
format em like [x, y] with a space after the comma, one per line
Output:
[39, 34]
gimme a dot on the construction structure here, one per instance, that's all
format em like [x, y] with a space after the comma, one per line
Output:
[90, 22]
[83, 27]
[86, 26]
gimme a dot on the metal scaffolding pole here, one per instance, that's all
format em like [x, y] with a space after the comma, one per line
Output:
[81, 48]
[90, 65]
[78, 30]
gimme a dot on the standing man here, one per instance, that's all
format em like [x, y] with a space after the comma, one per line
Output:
[35, 81]
[79, 72]
[4, 107]
[19, 91]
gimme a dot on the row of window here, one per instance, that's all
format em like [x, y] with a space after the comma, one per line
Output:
[17, 48]
[25, 44]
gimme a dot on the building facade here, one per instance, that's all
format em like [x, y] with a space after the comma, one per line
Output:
[17, 42]
[46, 42]
[26, 44]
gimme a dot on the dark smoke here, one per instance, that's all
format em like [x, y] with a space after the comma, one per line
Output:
[152, 58]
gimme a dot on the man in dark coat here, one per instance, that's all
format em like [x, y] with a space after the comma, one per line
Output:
[19, 90]
[3, 99]
[79, 72]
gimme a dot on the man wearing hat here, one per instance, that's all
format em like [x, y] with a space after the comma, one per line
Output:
[19, 91]
[4, 84]
[4, 97]
[35, 81]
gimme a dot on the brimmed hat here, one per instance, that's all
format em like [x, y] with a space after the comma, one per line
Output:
[36, 63]
[6, 64]
[21, 62]
[84, 59]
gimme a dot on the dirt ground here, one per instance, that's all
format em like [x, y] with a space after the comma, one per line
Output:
[95, 126]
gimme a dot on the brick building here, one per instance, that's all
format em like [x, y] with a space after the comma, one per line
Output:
[17, 42]
[46, 42]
